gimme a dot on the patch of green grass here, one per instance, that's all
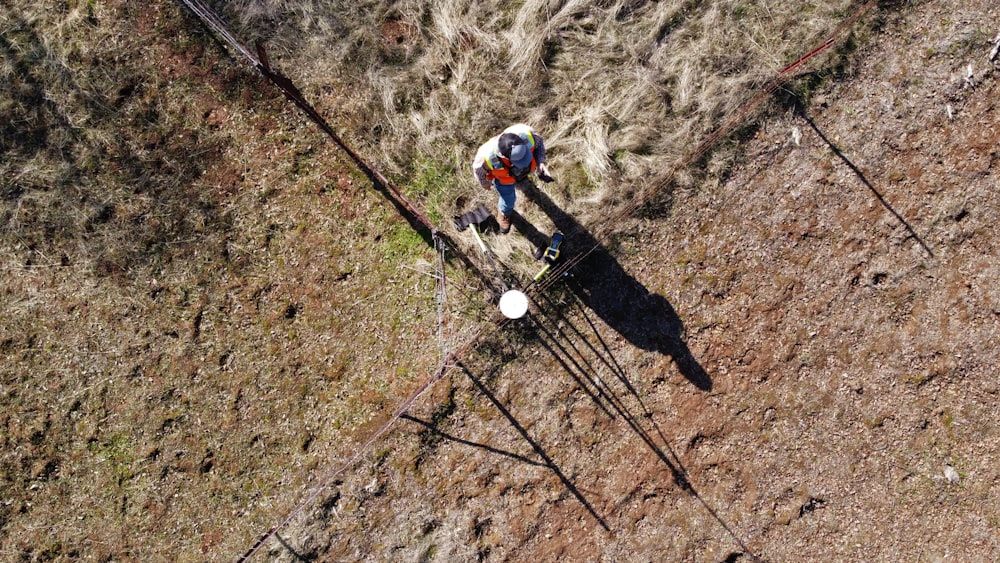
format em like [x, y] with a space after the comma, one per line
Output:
[876, 422]
[429, 554]
[118, 454]
[401, 242]
[574, 181]
[947, 419]
[434, 184]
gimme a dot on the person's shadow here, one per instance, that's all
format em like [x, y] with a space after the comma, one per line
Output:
[645, 319]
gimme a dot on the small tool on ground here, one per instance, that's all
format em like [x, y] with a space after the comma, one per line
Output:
[477, 216]
[550, 255]
[473, 219]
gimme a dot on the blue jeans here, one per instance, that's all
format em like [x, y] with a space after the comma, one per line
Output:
[508, 196]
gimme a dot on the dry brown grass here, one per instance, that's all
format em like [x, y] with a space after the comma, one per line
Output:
[202, 304]
[622, 90]
[194, 299]
[618, 86]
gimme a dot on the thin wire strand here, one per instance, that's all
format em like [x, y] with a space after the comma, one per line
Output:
[442, 296]
[219, 27]
[450, 358]
[725, 129]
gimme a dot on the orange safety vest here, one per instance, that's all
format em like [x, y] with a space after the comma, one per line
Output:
[498, 167]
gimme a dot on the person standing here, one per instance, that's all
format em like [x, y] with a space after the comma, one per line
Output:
[505, 161]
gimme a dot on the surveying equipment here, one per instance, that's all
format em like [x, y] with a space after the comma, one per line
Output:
[550, 255]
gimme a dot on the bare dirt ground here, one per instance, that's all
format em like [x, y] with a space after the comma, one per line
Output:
[835, 396]
[795, 364]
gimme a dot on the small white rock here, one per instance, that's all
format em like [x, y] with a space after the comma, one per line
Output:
[951, 474]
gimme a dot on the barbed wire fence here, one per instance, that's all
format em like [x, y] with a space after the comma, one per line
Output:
[452, 354]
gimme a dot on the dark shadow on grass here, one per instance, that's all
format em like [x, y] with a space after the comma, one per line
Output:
[800, 110]
[582, 359]
[645, 319]
[535, 445]
[564, 346]
[433, 429]
[600, 351]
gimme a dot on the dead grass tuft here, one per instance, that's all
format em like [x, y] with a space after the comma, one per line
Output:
[622, 90]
